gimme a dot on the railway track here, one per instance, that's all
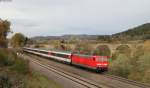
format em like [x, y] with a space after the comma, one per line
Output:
[141, 85]
[75, 78]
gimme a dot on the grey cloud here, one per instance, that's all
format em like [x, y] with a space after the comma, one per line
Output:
[25, 23]
[57, 17]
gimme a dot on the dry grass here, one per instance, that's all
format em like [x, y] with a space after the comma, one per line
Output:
[36, 80]
[146, 45]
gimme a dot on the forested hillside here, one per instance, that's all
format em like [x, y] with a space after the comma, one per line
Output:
[140, 32]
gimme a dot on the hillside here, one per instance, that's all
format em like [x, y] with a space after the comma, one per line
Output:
[140, 32]
[65, 37]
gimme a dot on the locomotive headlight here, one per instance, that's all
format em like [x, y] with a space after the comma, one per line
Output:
[101, 64]
[104, 64]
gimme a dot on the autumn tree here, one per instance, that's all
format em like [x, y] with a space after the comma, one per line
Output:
[120, 66]
[18, 40]
[122, 49]
[4, 29]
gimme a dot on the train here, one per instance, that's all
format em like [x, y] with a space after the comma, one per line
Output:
[97, 63]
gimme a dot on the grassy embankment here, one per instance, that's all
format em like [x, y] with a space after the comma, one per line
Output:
[15, 73]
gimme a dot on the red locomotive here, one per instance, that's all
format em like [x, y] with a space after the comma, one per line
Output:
[98, 63]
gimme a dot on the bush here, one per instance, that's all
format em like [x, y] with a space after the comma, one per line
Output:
[120, 66]
[5, 59]
[4, 82]
[144, 62]
[12, 70]
[21, 66]
[140, 71]
[9, 59]
[139, 51]
[102, 50]
[124, 49]
[146, 77]
[11, 79]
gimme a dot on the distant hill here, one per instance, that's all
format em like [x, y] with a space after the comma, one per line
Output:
[140, 32]
[65, 37]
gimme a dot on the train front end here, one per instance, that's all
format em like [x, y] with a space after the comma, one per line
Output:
[101, 63]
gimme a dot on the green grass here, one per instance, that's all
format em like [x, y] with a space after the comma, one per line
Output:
[36, 80]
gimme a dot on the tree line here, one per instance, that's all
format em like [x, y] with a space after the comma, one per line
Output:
[17, 40]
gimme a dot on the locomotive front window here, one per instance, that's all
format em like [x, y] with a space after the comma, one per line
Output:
[102, 59]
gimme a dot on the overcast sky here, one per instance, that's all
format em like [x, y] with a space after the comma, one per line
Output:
[58, 17]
